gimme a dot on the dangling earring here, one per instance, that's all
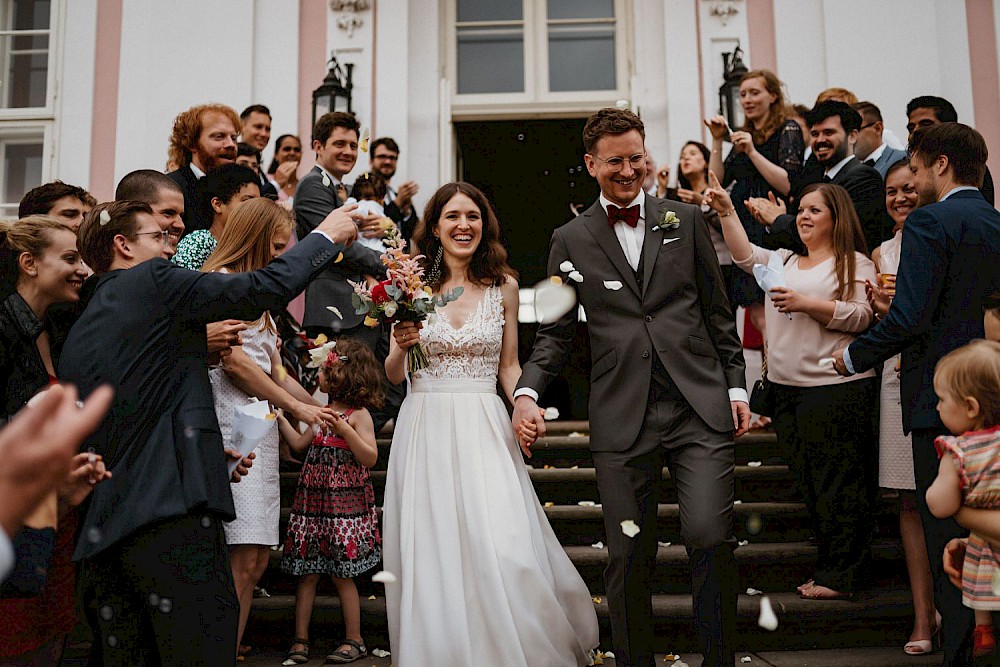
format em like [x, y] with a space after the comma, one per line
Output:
[435, 273]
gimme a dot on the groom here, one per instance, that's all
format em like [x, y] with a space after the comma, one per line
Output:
[667, 385]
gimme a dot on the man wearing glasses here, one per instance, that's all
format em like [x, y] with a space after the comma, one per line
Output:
[667, 385]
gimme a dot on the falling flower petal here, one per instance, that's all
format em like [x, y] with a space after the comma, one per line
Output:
[326, 181]
[321, 339]
[555, 280]
[629, 528]
[670, 656]
[753, 591]
[340, 258]
[553, 300]
[380, 653]
[104, 217]
[767, 620]
[754, 464]
[576, 276]
[384, 577]
[363, 141]
[586, 503]
[567, 266]
[743, 543]
[551, 413]
[609, 654]
[335, 311]
[597, 599]
[550, 504]
[597, 545]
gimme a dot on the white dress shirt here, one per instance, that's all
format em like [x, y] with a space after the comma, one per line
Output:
[198, 173]
[832, 172]
[877, 153]
[630, 238]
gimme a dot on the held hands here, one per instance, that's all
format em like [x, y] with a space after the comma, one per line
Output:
[839, 365]
[766, 211]
[528, 423]
[245, 463]
[407, 334]
[718, 126]
[716, 196]
[340, 225]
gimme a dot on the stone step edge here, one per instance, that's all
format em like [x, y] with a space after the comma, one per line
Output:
[583, 441]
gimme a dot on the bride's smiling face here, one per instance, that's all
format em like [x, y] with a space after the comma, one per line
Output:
[460, 227]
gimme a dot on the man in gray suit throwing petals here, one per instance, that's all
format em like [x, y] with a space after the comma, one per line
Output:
[667, 385]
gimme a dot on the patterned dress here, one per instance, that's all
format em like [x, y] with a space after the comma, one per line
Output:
[976, 455]
[333, 528]
[195, 249]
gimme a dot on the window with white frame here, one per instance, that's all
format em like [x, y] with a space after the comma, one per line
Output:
[537, 50]
[26, 104]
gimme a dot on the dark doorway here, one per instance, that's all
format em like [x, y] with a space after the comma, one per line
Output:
[533, 172]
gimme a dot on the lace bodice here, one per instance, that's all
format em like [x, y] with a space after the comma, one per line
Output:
[470, 352]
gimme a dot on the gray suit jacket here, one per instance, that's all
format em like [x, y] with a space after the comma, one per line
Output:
[313, 202]
[680, 313]
[890, 156]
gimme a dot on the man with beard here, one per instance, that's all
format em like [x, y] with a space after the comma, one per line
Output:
[950, 247]
[833, 128]
[398, 204]
[203, 138]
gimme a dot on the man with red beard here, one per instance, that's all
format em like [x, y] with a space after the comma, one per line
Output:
[203, 138]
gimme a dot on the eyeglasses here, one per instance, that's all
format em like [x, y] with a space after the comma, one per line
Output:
[616, 164]
[164, 235]
[866, 126]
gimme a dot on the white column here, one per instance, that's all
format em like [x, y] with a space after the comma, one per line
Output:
[74, 104]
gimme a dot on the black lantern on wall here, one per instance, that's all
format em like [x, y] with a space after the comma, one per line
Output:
[729, 92]
[335, 92]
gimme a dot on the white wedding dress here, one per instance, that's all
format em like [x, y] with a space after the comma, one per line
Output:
[481, 577]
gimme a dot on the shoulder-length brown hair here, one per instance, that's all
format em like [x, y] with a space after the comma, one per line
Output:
[489, 262]
[777, 114]
[354, 376]
[848, 237]
[245, 244]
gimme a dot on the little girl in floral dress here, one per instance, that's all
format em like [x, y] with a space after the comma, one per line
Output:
[333, 528]
[967, 382]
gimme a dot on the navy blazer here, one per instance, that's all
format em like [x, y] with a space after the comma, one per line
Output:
[143, 332]
[950, 262]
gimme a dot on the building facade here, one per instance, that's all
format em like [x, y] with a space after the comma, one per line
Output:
[490, 90]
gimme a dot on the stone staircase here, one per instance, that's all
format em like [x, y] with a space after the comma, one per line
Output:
[776, 557]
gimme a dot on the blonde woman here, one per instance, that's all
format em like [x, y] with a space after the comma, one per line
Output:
[256, 233]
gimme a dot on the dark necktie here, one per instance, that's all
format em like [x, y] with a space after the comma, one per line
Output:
[630, 215]
[870, 163]
[827, 179]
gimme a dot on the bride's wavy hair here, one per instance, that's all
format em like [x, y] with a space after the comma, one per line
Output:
[489, 262]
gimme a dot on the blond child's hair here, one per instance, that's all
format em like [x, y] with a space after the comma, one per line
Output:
[974, 370]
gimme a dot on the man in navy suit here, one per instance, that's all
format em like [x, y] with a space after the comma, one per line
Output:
[154, 566]
[949, 265]
[869, 148]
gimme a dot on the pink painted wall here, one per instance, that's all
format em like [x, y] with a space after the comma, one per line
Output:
[312, 68]
[985, 73]
[107, 58]
[760, 26]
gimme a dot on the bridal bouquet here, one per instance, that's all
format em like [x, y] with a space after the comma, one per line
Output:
[402, 296]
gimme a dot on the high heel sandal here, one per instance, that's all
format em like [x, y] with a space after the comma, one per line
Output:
[924, 646]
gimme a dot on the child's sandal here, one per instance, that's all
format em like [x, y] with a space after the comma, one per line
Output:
[299, 657]
[354, 651]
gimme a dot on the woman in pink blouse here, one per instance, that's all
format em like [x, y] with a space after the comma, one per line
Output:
[827, 423]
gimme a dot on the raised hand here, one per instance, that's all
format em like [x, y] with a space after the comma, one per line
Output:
[743, 142]
[716, 196]
[663, 177]
[689, 196]
[340, 225]
[766, 211]
[285, 173]
[718, 126]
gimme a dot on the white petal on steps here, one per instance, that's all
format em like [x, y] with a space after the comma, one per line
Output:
[629, 528]
[767, 619]
[750, 591]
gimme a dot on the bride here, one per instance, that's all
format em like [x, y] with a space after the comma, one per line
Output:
[480, 574]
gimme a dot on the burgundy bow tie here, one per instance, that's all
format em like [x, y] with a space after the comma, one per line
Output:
[630, 215]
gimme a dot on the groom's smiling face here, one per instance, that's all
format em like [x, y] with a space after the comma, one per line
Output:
[623, 186]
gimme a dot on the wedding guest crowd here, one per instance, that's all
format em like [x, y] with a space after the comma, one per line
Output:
[175, 295]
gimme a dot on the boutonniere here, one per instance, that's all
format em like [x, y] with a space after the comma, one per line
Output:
[668, 222]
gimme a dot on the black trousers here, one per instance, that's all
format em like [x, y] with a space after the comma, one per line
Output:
[831, 434]
[957, 619]
[163, 596]
[701, 463]
[377, 340]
